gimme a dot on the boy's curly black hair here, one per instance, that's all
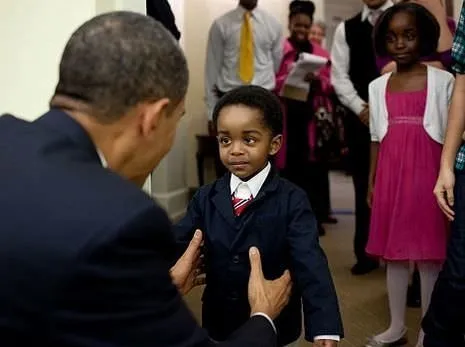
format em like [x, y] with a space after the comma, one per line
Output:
[257, 98]
[427, 28]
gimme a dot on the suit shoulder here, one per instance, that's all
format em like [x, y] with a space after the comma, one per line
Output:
[290, 190]
[205, 191]
[353, 20]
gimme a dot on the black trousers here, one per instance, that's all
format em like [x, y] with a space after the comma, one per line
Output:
[308, 175]
[444, 323]
[359, 143]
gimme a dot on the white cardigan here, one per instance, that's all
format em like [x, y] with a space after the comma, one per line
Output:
[439, 93]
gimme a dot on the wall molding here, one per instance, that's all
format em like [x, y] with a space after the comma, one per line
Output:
[174, 202]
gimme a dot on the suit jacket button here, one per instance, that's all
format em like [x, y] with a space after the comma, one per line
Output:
[236, 259]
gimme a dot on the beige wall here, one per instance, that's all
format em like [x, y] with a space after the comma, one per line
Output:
[457, 7]
[32, 36]
[198, 16]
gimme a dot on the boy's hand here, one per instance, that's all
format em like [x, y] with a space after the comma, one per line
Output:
[325, 343]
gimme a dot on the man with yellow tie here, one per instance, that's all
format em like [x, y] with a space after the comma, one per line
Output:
[244, 47]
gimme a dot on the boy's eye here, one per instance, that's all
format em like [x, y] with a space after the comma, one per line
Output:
[224, 140]
[411, 36]
[250, 140]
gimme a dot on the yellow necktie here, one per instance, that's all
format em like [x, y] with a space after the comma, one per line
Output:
[246, 56]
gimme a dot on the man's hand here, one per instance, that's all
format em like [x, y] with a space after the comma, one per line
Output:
[365, 116]
[268, 297]
[186, 273]
[325, 343]
[444, 191]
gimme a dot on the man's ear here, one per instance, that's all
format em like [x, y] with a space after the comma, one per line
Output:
[276, 144]
[151, 114]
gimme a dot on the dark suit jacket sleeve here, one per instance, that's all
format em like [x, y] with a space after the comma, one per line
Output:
[192, 220]
[311, 271]
[121, 294]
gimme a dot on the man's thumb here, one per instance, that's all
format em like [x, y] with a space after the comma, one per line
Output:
[194, 244]
[255, 263]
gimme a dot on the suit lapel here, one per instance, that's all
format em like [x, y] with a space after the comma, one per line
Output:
[61, 122]
[222, 200]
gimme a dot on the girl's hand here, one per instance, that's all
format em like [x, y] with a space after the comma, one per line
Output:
[444, 191]
[370, 194]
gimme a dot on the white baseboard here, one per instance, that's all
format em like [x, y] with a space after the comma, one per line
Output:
[174, 202]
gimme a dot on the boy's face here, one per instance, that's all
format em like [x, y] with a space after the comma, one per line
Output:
[245, 142]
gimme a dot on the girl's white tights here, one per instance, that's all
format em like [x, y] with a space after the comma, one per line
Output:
[398, 275]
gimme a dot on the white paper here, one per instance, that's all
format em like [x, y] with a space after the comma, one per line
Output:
[306, 63]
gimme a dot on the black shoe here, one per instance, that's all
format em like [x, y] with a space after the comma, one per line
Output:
[413, 297]
[362, 268]
[330, 220]
[321, 230]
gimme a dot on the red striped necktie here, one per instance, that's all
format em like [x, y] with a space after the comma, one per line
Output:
[239, 205]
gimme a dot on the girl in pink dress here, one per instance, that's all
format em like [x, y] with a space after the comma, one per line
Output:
[408, 117]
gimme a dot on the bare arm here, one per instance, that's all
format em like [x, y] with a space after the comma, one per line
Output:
[438, 9]
[374, 150]
[455, 124]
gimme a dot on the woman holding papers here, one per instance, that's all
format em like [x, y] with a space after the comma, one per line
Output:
[308, 109]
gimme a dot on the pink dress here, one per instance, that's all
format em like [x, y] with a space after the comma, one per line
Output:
[406, 222]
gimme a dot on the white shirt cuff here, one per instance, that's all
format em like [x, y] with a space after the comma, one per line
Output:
[268, 318]
[357, 106]
[327, 337]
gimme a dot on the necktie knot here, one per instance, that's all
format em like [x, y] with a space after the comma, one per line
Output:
[241, 198]
[373, 16]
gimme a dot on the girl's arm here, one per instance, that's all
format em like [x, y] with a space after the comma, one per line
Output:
[373, 165]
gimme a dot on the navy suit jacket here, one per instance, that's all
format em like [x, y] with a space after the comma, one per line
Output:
[281, 224]
[84, 254]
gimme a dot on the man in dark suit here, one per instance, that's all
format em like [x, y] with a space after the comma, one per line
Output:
[87, 258]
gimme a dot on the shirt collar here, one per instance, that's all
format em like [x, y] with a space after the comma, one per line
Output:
[254, 184]
[241, 10]
[366, 10]
[102, 158]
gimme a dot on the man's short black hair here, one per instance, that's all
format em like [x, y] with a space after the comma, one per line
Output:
[257, 98]
[427, 28]
[116, 60]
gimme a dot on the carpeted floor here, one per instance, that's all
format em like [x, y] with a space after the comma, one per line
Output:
[363, 299]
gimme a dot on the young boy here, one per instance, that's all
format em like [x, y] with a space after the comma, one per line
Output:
[252, 205]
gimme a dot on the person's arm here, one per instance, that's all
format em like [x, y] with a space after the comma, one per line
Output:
[277, 47]
[374, 151]
[340, 79]
[375, 140]
[121, 293]
[311, 271]
[192, 220]
[213, 65]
